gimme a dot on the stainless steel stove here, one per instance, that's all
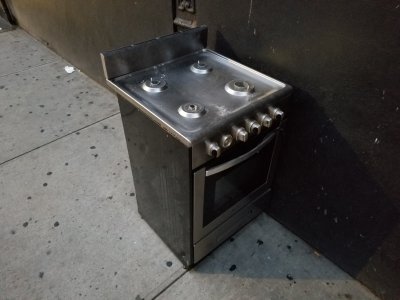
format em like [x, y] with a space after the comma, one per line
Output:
[203, 135]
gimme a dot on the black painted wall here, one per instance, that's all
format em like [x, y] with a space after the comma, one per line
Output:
[338, 183]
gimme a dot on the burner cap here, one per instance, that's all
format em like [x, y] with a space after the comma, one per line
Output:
[191, 110]
[200, 68]
[154, 85]
[239, 88]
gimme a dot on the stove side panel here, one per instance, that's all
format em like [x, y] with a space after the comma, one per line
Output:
[162, 175]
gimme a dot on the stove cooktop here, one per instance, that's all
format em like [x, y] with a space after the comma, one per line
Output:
[195, 93]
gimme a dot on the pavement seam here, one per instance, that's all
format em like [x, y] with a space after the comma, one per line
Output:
[163, 286]
[59, 138]
[30, 68]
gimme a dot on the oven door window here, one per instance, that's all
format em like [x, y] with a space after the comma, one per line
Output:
[226, 188]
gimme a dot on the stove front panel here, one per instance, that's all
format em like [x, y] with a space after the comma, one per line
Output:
[231, 189]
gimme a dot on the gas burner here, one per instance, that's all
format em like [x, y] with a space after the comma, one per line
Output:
[191, 110]
[200, 68]
[154, 85]
[239, 88]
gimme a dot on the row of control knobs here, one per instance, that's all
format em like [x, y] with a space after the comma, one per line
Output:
[241, 134]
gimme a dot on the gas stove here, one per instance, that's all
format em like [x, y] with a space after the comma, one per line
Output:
[187, 107]
[195, 94]
[203, 98]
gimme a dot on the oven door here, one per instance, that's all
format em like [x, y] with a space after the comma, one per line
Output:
[220, 191]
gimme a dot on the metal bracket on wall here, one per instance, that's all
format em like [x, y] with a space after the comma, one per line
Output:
[186, 5]
[185, 16]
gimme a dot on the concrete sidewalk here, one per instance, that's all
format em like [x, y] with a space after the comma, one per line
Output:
[69, 226]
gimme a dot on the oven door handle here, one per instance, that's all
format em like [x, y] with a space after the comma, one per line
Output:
[230, 164]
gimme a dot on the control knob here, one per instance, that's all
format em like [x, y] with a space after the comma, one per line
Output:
[213, 149]
[239, 134]
[252, 126]
[226, 140]
[276, 113]
[264, 120]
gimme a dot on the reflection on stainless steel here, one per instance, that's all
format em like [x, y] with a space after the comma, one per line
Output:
[201, 127]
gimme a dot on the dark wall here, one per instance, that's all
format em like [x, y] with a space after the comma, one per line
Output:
[79, 30]
[338, 184]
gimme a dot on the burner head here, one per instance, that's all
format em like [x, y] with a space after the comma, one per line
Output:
[200, 68]
[239, 88]
[191, 110]
[154, 85]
